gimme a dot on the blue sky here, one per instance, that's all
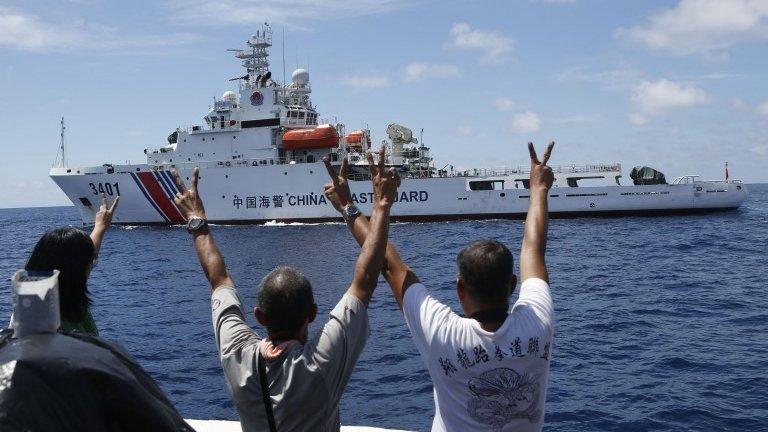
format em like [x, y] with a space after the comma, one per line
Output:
[678, 85]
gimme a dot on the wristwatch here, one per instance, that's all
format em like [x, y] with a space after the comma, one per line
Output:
[196, 223]
[351, 211]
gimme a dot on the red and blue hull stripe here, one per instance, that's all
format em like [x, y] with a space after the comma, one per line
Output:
[159, 189]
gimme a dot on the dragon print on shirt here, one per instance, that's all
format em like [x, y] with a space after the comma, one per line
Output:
[502, 395]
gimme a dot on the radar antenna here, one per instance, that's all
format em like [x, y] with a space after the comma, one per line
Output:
[400, 134]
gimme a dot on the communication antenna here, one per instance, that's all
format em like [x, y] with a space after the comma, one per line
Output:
[284, 82]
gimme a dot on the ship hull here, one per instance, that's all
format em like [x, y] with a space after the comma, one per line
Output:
[247, 194]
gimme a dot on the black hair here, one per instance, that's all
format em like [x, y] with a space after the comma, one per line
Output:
[486, 268]
[285, 297]
[71, 252]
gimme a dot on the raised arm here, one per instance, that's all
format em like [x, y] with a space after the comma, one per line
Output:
[208, 253]
[398, 275]
[102, 222]
[534, 246]
[371, 259]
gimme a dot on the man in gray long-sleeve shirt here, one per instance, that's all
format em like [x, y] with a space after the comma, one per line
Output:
[304, 378]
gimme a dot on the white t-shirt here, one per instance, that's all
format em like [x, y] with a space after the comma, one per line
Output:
[485, 381]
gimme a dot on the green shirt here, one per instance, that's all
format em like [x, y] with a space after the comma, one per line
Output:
[87, 325]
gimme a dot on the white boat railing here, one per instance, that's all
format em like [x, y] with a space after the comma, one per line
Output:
[562, 169]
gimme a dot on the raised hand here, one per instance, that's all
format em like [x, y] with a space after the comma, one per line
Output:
[385, 181]
[541, 174]
[337, 191]
[188, 200]
[103, 217]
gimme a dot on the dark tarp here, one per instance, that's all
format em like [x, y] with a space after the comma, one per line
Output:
[644, 175]
[58, 382]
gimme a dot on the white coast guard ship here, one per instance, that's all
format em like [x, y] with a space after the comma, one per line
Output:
[260, 155]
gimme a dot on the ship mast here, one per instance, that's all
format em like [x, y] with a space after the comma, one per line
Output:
[61, 157]
[255, 57]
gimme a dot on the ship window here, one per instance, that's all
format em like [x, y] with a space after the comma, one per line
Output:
[301, 114]
[310, 159]
[591, 181]
[483, 185]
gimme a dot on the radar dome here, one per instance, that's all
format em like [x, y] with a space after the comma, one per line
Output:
[229, 96]
[300, 77]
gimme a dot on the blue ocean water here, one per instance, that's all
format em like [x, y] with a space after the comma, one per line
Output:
[662, 322]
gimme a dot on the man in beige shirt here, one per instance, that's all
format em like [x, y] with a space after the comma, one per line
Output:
[287, 381]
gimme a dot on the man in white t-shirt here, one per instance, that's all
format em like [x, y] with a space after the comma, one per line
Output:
[490, 369]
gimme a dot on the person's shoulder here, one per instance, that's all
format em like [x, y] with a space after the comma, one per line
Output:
[415, 292]
[534, 290]
[349, 302]
[223, 297]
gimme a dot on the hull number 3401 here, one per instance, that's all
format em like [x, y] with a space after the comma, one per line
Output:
[105, 188]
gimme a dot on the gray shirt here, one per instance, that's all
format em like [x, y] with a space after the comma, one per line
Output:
[306, 382]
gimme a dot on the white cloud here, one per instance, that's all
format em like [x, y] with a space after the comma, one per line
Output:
[503, 103]
[492, 43]
[579, 118]
[613, 79]
[652, 99]
[762, 109]
[292, 13]
[416, 71]
[464, 130]
[366, 81]
[526, 122]
[28, 32]
[706, 27]
[638, 119]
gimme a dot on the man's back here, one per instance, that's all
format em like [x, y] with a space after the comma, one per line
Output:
[485, 380]
[305, 382]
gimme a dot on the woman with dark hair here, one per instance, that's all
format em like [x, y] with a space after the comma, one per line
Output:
[73, 253]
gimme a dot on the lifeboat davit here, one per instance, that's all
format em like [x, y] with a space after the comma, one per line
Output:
[323, 136]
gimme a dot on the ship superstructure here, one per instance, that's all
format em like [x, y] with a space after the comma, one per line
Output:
[260, 153]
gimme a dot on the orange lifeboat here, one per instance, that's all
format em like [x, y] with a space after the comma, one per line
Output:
[323, 136]
[355, 137]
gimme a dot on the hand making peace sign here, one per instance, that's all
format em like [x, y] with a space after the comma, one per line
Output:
[103, 217]
[385, 181]
[188, 200]
[337, 191]
[541, 174]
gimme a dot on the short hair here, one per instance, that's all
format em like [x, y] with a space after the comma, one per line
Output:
[285, 298]
[486, 268]
[71, 252]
